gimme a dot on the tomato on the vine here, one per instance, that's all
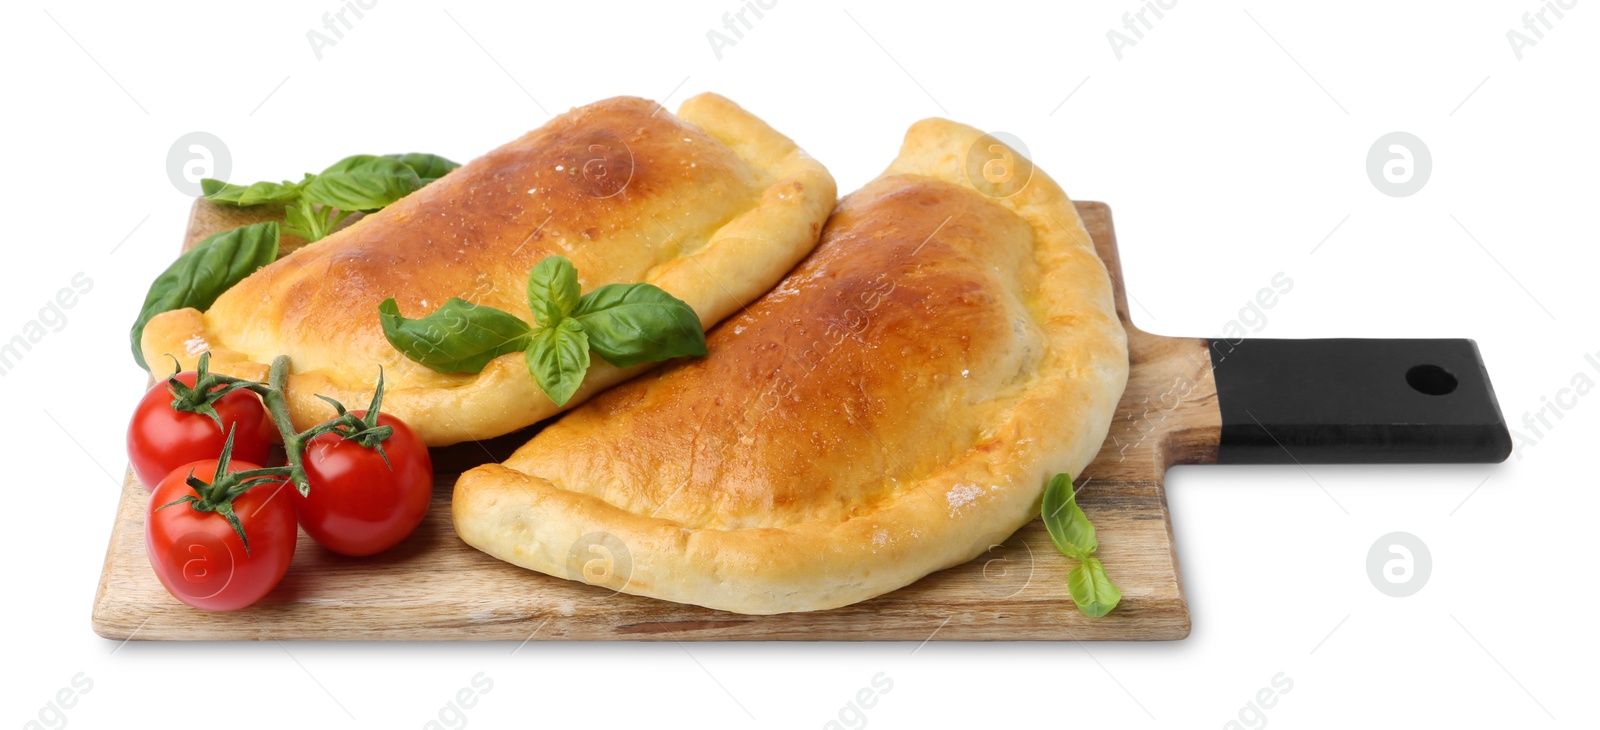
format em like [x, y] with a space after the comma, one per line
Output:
[175, 424]
[220, 533]
[367, 492]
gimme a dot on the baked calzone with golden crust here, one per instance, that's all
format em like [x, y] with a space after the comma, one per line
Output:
[712, 206]
[907, 390]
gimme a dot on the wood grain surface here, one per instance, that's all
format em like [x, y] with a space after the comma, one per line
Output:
[435, 587]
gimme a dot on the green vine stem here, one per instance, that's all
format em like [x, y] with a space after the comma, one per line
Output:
[278, 406]
[364, 431]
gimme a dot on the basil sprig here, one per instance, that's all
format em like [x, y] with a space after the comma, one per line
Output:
[204, 272]
[1073, 535]
[317, 204]
[625, 324]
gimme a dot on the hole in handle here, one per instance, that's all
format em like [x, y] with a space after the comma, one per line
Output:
[1431, 380]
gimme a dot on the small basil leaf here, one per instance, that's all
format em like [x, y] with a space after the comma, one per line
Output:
[1091, 589]
[300, 220]
[458, 337]
[553, 290]
[1069, 527]
[204, 272]
[633, 323]
[259, 193]
[362, 182]
[545, 313]
[428, 167]
[558, 359]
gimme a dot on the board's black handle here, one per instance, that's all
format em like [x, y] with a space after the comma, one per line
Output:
[1355, 401]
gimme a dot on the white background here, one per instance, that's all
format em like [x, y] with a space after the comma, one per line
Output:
[1231, 141]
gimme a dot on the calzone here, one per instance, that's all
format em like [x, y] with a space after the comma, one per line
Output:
[906, 391]
[712, 205]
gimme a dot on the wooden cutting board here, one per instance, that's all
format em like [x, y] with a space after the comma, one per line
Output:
[433, 586]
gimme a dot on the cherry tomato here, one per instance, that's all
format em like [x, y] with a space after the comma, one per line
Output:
[358, 505]
[199, 556]
[162, 438]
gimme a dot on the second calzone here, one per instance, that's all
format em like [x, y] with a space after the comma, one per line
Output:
[711, 205]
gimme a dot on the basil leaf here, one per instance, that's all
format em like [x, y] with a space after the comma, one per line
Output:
[553, 290]
[428, 167]
[459, 337]
[629, 324]
[204, 272]
[558, 358]
[1091, 589]
[302, 221]
[259, 193]
[1073, 534]
[1069, 527]
[362, 182]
